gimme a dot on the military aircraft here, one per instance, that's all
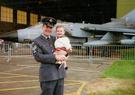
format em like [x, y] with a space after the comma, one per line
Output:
[118, 31]
[22, 35]
[30, 33]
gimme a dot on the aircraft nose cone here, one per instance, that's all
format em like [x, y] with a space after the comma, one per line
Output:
[10, 36]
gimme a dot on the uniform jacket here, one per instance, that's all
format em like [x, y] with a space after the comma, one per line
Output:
[42, 50]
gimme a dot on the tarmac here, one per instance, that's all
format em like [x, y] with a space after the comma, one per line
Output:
[19, 76]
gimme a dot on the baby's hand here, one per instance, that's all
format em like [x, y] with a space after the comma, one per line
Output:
[69, 50]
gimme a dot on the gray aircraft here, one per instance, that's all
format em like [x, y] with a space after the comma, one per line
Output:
[23, 35]
[30, 33]
[118, 31]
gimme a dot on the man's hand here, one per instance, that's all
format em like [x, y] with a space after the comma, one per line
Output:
[60, 57]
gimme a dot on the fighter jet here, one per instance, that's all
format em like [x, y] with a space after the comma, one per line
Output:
[118, 31]
[30, 33]
[23, 35]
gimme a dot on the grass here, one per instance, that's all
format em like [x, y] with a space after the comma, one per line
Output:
[124, 71]
[121, 69]
[128, 54]
[116, 92]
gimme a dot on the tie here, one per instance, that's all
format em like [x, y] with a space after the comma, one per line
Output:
[47, 38]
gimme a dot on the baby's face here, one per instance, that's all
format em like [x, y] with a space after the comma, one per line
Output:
[60, 32]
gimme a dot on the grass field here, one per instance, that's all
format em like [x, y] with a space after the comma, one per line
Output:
[118, 79]
[128, 54]
[121, 69]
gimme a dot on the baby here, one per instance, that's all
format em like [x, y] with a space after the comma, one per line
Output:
[62, 45]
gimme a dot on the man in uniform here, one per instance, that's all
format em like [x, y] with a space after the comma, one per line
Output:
[50, 75]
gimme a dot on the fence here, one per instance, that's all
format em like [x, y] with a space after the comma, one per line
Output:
[124, 52]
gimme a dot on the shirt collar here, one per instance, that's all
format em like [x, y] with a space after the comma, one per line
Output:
[46, 36]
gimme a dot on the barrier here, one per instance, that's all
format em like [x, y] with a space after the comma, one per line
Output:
[15, 49]
[123, 52]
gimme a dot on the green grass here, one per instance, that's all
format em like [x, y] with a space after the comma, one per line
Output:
[116, 92]
[128, 54]
[121, 69]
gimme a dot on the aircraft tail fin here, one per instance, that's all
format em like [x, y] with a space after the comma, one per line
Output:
[130, 19]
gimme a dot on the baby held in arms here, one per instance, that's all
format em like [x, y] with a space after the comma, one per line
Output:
[62, 45]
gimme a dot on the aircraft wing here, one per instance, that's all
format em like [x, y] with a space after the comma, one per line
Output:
[101, 30]
[115, 31]
[124, 25]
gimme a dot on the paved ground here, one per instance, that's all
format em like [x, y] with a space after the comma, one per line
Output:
[20, 75]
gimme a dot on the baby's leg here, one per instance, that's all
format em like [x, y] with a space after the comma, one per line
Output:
[62, 62]
[58, 53]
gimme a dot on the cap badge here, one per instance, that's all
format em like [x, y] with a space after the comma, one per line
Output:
[51, 20]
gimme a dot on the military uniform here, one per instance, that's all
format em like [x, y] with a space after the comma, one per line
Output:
[50, 75]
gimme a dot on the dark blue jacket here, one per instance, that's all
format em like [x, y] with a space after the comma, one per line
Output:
[42, 50]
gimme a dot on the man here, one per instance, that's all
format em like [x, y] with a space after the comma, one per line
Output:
[50, 75]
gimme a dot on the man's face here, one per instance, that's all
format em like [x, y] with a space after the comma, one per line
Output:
[47, 31]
